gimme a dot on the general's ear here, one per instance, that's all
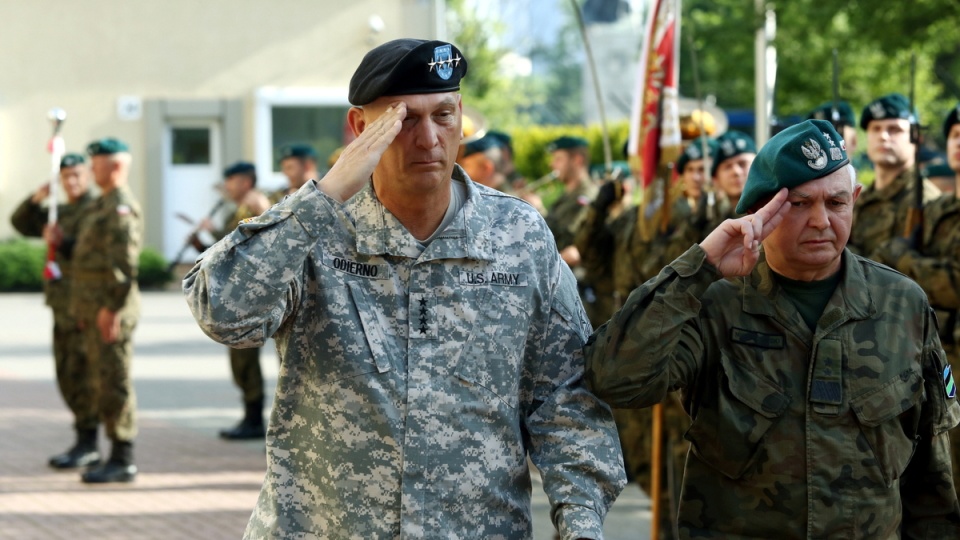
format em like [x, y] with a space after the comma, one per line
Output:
[355, 121]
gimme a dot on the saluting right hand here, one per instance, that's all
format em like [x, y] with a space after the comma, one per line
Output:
[41, 194]
[734, 246]
[356, 164]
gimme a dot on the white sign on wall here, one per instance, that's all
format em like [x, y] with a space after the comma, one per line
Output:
[129, 108]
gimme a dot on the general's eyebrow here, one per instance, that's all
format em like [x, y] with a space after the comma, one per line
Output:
[835, 195]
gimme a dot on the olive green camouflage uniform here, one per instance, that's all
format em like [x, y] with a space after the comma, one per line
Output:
[414, 381]
[837, 433]
[936, 268]
[879, 215]
[105, 264]
[567, 214]
[70, 360]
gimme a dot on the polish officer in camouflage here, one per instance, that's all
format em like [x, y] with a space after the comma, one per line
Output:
[106, 300]
[70, 359]
[298, 162]
[818, 390]
[935, 263]
[881, 210]
[430, 336]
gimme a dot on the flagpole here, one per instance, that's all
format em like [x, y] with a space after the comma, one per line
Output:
[607, 154]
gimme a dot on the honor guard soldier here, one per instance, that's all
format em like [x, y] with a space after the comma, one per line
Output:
[735, 154]
[240, 187]
[845, 122]
[70, 359]
[814, 377]
[430, 336]
[106, 300]
[298, 162]
[881, 211]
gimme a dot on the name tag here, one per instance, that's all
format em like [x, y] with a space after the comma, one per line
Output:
[493, 278]
[757, 339]
[354, 268]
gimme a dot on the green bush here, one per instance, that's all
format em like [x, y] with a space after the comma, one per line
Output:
[22, 261]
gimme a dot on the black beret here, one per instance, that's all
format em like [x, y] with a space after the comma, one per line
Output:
[303, 151]
[106, 146]
[407, 66]
[240, 167]
[825, 112]
[886, 107]
[803, 152]
[71, 160]
[732, 144]
[566, 143]
[952, 118]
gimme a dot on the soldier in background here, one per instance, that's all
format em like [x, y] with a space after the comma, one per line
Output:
[507, 165]
[933, 261]
[734, 156]
[881, 211]
[298, 162]
[482, 160]
[106, 300]
[846, 123]
[813, 376]
[240, 187]
[70, 359]
[570, 162]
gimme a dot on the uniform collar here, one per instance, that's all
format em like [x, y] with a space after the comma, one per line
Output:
[892, 190]
[379, 232]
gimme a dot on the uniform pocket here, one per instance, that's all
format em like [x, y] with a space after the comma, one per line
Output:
[729, 435]
[347, 328]
[889, 419]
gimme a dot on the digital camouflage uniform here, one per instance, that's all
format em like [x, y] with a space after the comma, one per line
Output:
[936, 268]
[837, 433]
[413, 386]
[879, 215]
[70, 359]
[105, 264]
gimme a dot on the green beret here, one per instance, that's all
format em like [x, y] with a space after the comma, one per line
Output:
[407, 66]
[481, 145]
[938, 169]
[825, 112]
[107, 146]
[732, 144]
[694, 151]
[302, 151]
[71, 160]
[240, 167]
[505, 140]
[803, 152]
[886, 107]
[566, 143]
[952, 118]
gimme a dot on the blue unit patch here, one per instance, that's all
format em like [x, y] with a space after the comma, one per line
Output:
[948, 383]
[443, 58]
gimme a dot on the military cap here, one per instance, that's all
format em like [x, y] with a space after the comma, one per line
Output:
[938, 169]
[885, 107]
[107, 146]
[481, 145]
[240, 167]
[825, 112]
[302, 151]
[731, 144]
[407, 66]
[71, 160]
[952, 118]
[566, 143]
[694, 151]
[505, 140]
[803, 152]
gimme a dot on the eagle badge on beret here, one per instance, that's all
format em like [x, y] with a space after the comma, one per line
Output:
[878, 110]
[816, 157]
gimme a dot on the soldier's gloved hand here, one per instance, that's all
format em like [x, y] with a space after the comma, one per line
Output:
[609, 193]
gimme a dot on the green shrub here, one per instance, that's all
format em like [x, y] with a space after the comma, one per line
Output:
[22, 261]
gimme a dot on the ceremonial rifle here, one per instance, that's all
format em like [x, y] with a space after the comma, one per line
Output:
[189, 242]
[56, 147]
[835, 107]
[914, 225]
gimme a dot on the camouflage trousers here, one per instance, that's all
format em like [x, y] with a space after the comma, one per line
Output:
[110, 363]
[635, 427]
[245, 366]
[74, 377]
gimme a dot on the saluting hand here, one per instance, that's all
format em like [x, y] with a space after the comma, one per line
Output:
[355, 165]
[734, 246]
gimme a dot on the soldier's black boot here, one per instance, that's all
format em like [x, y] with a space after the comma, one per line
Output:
[251, 427]
[82, 454]
[119, 468]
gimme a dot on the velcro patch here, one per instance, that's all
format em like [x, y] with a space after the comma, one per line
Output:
[758, 339]
[509, 279]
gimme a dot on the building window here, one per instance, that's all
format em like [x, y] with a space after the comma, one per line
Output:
[191, 146]
[323, 127]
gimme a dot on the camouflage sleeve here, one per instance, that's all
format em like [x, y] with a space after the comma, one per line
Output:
[573, 438]
[930, 508]
[653, 344]
[123, 256]
[246, 285]
[29, 218]
[595, 242]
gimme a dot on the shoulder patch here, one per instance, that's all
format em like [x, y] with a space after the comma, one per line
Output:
[949, 385]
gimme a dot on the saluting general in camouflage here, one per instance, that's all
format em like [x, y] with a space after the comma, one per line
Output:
[815, 378]
[239, 186]
[934, 262]
[106, 300]
[881, 210]
[70, 359]
[430, 336]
